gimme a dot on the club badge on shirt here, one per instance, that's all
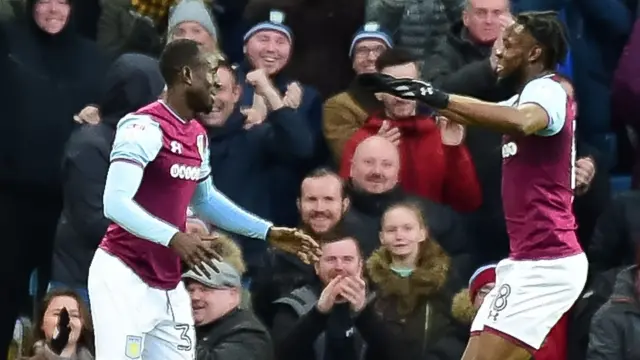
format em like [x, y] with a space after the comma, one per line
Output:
[133, 347]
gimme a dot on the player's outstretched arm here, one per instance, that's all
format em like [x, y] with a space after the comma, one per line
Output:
[540, 104]
[138, 141]
[214, 207]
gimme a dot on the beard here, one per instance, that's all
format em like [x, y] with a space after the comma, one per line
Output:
[513, 80]
[198, 103]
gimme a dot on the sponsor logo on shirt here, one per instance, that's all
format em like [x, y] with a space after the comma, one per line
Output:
[185, 172]
[509, 149]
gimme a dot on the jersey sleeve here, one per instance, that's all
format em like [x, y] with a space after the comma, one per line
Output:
[549, 95]
[212, 206]
[138, 140]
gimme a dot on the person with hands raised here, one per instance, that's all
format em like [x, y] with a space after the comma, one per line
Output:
[329, 318]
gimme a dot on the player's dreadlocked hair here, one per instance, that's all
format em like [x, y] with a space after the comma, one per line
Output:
[177, 55]
[546, 28]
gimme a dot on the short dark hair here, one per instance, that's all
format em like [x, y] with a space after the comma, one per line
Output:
[322, 172]
[548, 30]
[394, 57]
[232, 68]
[177, 55]
[339, 233]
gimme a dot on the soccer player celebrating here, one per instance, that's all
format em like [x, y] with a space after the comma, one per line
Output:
[160, 166]
[547, 269]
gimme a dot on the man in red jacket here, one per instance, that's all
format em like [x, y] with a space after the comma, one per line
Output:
[433, 162]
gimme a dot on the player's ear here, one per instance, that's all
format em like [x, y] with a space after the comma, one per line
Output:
[187, 75]
[535, 54]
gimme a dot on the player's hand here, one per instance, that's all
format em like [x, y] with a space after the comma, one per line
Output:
[89, 115]
[329, 295]
[354, 290]
[195, 252]
[390, 133]
[296, 242]
[585, 171]
[61, 333]
[293, 95]
[452, 133]
[405, 88]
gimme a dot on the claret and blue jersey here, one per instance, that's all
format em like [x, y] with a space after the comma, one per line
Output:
[538, 176]
[159, 166]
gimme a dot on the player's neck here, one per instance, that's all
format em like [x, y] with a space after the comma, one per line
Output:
[533, 72]
[177, 103]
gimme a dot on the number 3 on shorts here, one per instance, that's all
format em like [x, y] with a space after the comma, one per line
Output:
[186, 342]
[500, 301]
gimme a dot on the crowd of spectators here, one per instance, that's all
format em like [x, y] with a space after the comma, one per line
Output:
[408, 211]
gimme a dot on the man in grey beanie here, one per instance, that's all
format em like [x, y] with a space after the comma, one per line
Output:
[190, 19]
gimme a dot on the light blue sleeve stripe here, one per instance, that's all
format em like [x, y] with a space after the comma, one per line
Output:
[212, 206]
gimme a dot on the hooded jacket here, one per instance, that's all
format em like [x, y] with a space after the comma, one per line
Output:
[428, 168]
[47, 79]
[416, 310]
[132, 81]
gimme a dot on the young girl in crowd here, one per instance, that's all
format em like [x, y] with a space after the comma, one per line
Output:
[414, 283]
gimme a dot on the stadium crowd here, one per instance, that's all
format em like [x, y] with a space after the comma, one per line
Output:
[407, 210]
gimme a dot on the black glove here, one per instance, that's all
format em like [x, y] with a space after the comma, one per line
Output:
[404, 88]
[61, 335]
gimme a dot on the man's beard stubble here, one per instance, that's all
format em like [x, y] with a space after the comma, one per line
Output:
[197, 104]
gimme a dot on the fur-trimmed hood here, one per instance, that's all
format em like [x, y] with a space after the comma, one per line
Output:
[462, 307]
[428, 279]
[230, 252]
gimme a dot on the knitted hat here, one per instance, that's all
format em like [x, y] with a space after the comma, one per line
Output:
[194, 11]
[371, 30]
[275, 22]
[483, 276]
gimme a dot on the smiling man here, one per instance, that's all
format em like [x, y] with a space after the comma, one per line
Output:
[223, 329]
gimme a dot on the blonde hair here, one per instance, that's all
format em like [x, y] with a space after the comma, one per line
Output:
[411, 206]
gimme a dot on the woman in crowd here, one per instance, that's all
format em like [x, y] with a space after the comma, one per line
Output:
[80, 343]
[415, 284]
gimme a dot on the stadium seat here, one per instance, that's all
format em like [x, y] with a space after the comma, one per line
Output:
[620, 183]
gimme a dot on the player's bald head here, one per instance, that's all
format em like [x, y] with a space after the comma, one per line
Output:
[374, 145]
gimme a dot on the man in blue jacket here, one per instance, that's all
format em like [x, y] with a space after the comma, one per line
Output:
[268, 47]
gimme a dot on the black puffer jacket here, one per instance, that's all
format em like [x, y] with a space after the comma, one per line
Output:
[132, 82]
[615, 329]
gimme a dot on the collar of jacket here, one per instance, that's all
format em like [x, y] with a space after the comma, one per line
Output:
[427, 279]
[373, 204]
[234, 124]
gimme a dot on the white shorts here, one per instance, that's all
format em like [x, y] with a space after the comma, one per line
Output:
[530, 297]
[134, 321]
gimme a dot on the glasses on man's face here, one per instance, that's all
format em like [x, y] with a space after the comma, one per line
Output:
[365, 51]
